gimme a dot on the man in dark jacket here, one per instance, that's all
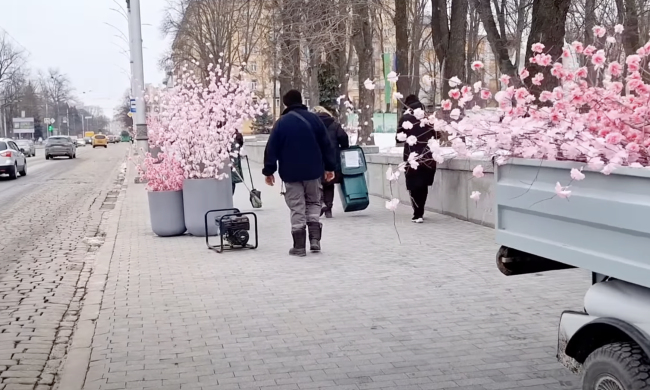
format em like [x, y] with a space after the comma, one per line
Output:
[340, 140]
[299, 143]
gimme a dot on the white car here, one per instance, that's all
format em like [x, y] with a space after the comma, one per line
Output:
[12, 160]
[81, 142]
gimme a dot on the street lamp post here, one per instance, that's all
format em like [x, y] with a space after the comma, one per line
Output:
[137, 77]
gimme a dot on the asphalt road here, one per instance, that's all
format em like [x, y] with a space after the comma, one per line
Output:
[50, 225]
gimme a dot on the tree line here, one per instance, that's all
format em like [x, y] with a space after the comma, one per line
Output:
[40, 95]
[325, 47]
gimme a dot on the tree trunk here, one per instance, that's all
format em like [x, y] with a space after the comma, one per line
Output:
[498, 43]
[548, 27]
[289, 76]
[628, 16]
[402, 46]
[362, 40]
[455, 59]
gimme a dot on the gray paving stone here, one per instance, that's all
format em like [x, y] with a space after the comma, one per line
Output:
[370, 312]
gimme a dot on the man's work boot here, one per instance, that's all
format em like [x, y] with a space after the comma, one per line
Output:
[328, 212]
[299, 243]
[315, 233]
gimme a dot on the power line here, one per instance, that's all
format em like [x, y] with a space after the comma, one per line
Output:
[15, 40]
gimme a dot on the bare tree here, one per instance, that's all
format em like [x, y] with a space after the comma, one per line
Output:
[57, 90]
[362, 39]
[449, 33]
[11, 59]
[206, 31]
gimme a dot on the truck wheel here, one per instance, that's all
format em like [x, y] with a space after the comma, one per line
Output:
[617, 366]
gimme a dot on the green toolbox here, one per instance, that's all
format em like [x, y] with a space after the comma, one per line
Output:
[353, 188]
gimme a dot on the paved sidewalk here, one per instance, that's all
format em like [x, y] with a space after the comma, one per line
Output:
[368, 313]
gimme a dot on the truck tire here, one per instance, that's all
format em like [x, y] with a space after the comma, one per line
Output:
[617, 366]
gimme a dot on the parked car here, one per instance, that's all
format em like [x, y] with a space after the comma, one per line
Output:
[60, 146]
[12, 160]
[88, 140]
[28, 147]
[100, 140]
[81, 142]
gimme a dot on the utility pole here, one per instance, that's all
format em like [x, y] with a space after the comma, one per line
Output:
[140, 117]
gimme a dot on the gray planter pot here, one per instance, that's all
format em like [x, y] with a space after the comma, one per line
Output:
[166, 213]
[201, 196]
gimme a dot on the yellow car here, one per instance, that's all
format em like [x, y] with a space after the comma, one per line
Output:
[100, 140]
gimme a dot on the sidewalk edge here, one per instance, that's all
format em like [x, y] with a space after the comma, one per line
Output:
[72, 375]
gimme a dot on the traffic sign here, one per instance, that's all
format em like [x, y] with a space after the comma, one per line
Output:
[133, 105]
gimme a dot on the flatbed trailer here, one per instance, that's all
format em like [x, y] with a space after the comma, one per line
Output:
[603, 227]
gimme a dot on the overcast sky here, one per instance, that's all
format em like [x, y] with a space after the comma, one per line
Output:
[72, 35]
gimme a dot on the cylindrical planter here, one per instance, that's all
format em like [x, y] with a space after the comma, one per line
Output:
[201, 196]
[166, 212]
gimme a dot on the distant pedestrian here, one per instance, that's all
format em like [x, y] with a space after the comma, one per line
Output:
[299, 143]
[237, 173]
[340, 141]
[418, 180]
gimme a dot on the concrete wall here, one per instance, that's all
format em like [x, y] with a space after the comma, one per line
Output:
[451, 189]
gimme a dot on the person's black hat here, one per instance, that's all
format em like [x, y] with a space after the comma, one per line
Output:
[410, 99]
[292, 97]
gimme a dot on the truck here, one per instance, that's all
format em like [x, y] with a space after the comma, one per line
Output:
[602, 226]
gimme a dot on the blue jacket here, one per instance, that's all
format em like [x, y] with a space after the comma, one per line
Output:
[303, 152]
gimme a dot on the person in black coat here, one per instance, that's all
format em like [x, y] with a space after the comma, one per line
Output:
[418, 180]
[340, 141]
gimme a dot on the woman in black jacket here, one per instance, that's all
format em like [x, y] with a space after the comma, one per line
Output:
[339, 139]
[418, 180]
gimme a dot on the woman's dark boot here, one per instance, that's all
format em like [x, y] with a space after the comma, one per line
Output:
[299, 243]
[315, 234]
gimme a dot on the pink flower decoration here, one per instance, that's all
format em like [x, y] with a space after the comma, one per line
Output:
[537, 47]
[537, 80]
[589, 50]
[454, 94]
[485, 94]
[598, 59]
[582, 72]
[505, 79]
[446, 105]
[615, 69]
[524, 74]
[599, 31]
[477, 65]
[578, 47]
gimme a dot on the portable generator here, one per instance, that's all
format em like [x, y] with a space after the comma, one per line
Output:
[234, 227]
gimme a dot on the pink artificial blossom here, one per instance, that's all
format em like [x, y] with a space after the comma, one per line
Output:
[577, 174]
[615, 69]
[562, 192]
[475, 196]
[524, 74]
[454, 94]
[478, 171]
[589, 50]
[537, 80]
[485, 94]
[618, 29]
[578, 47]
[537, 47]
[598, 59]
[477, 65]
[446, 105]
[599, 31]
[505, 79]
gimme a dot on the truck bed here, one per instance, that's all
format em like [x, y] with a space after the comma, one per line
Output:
[604, 226]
